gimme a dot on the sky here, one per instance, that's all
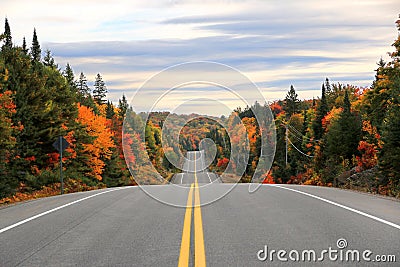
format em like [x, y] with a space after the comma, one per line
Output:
[274, 43]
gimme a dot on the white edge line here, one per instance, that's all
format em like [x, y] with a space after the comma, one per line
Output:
[55, 209]
[342, 206]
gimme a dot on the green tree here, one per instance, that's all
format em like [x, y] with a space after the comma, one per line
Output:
[7, 35]
[322, 110]
[100, 90]
[344, 134]
[122, 106]
[35, 49]
[44, 106]
[84, 96]
[390, 153]
[83, 88]
[110, 113]
[24, 47]
[376, 100]
[291, 102]
[69, 76]
[48, 59]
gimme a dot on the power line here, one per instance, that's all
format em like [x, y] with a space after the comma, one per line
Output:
[301, 152]
[301, 134]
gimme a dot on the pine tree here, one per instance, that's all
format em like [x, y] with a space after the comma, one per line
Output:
[69, 76]
[110, 113]
[83, 88]
[122, 106]
[100, 90]
[35, 49]
[322, 110]
[346, 103]
[390, 153]
[328, 86]
[291, 102]
[375, 102]
[48, 59]
[24, 48]
[345, 133]
[7, 35]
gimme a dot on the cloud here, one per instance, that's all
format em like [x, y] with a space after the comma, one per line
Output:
[275, 44]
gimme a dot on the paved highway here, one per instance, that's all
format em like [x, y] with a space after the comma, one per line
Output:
[195, 164]
[126, 227]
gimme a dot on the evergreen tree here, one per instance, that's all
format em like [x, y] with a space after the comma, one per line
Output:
[35, 49]
[7, 35]
[291, 102]
[69, 76]
[322, 110]
[344, 134]
[375, 102]
[48, 59]
[390, 153]
[24, 47]
[83, 88]
[328, 86]
[122, 106]
[84, 96]
[100, 90]
[110, 113]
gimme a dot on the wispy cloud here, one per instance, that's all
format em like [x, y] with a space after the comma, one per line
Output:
[276, 44]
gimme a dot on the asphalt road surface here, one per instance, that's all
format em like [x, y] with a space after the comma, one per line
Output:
[195, 164]
[126, 227]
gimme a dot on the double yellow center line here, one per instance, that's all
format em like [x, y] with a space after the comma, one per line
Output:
[199, 251]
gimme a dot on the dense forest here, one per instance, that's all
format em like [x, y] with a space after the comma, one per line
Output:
[348, 137]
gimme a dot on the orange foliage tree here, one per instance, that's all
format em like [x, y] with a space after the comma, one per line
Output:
[100, 148]
[368, 147]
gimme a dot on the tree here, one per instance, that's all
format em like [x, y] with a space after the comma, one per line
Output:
[328, 86]
[110, 113]
[83, 88]
[35, 49]
[122, 106]
[344, 134]
[375, 102]
[322, 110]
[100, 149]
[7, 143]
[390, 153]
[24, 48]
[100, 90]
[48, 59]
[69, 76]
[7, 35]
[291, 102]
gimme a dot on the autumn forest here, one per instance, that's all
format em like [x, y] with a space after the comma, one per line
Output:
[348, 137]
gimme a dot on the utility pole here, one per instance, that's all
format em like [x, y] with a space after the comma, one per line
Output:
[286, 142]
[286, 139]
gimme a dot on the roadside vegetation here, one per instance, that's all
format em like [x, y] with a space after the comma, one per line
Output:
[348, 137]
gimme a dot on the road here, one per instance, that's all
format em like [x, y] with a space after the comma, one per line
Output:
[195, 164]
[126, 227]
